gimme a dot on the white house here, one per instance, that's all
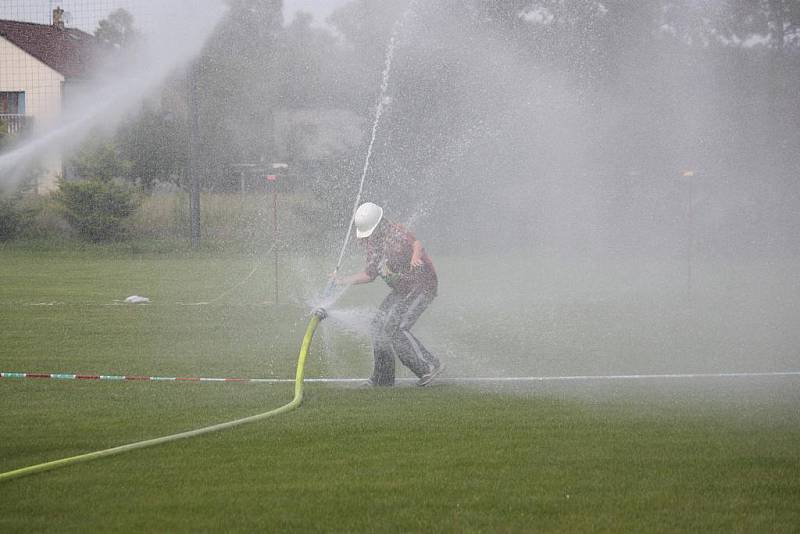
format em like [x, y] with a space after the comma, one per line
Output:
[38, 64]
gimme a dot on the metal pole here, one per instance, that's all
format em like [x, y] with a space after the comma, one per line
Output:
[192, 167]
[275, 227]
[690, 244]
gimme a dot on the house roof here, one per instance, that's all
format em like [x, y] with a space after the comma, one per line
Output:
[68, 51]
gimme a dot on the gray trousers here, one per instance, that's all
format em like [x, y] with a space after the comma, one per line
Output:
[392, 337]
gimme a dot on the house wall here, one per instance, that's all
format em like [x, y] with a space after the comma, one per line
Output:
[19, 71]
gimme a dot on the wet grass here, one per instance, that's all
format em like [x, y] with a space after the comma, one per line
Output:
[443, 459]
[63, 312]
[653, 457]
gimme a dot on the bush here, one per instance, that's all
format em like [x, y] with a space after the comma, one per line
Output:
[12, 219]
[97, 209]
[45, 218]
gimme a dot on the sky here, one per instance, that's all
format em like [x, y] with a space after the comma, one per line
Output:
[84, 14]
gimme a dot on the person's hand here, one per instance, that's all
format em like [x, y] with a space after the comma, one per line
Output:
[416, 261]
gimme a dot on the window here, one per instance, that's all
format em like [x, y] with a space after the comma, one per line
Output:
[12, 103]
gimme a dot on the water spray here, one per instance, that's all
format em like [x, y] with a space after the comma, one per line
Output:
[383, 99]
[114, 92]
[316, 316]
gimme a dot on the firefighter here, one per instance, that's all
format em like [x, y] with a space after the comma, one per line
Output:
[394, 254]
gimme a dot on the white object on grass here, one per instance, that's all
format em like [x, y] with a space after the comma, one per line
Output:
[136, 299]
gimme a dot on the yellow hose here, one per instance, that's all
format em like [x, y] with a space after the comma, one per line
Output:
[295, 402]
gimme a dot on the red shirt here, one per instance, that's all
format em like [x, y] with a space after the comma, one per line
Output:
[389, 256]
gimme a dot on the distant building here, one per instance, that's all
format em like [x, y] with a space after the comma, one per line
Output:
[304, 141]
[316, 134]
[40, 65]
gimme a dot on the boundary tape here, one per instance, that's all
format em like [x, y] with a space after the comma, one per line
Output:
[464, 380]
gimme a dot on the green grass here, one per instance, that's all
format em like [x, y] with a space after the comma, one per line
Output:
[617, 457]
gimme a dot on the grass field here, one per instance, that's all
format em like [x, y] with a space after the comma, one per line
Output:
[719, 455]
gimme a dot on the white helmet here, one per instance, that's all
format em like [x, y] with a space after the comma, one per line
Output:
[367, 217]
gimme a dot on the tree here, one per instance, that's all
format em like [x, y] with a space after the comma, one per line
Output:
[96, 209]
[100, 158]
[154, 143]
[117, 30]
[236, 86]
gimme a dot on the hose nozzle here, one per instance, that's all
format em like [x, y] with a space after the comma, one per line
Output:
[320, 312]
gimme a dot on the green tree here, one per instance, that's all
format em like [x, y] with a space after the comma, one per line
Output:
[96, 209]
[100, 158]
[236, 86]
[117, 30]
[153, 143]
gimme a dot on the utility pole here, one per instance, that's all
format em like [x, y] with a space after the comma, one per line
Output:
[690, 244]
[194, 152]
